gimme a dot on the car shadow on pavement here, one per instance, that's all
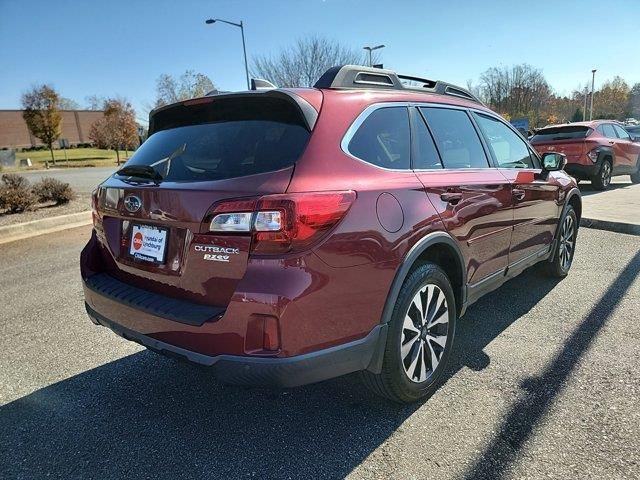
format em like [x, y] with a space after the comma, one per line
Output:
[587, 189]
[148, 416]
[541, 392]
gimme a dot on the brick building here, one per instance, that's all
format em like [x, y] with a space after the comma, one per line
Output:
[76, 125]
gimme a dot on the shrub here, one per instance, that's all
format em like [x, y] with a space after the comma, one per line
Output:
[52, 190]
[15, 194]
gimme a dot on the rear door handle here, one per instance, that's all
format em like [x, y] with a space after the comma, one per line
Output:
[451, 197]
[518, 194]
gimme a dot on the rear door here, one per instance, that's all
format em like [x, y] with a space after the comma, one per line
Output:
[156, 231]
[629, 149]
[536, 203]
[472, 198]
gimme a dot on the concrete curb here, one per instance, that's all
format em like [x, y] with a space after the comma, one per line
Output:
[11, 233]
[611, 226]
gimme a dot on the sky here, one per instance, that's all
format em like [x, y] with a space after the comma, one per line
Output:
[119, 48]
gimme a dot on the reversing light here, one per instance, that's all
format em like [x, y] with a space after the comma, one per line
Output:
[231, 222]
[269, 221]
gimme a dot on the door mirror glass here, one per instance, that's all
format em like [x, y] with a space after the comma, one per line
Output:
[552, 161]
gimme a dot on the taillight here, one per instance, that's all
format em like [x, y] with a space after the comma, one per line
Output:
[283, 223]
[94, 207]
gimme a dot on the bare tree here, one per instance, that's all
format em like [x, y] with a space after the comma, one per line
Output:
[68, 104]
[117, 130]
[304, 63]
[42, 115]
[95, 102]
[520, 90]
[189, 85]
[634, 101]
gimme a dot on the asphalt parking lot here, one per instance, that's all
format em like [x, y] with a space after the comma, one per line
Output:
[545, 382]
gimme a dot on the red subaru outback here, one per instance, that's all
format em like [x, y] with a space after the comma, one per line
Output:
[293, 235]
[595, 150]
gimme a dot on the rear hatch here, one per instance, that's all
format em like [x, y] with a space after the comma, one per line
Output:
[567, 139]
[153, 216]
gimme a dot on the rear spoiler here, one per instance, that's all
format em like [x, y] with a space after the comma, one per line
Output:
[160, 118]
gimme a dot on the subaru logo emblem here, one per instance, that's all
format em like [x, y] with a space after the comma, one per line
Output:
[132, 203]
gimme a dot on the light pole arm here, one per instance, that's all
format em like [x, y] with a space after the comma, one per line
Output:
[239, 25]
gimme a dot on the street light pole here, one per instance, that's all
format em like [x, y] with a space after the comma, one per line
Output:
[371, 49]
[593, 80]
[240, 25]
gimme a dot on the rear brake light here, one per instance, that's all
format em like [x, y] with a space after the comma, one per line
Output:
[283, 223]
[94, 207]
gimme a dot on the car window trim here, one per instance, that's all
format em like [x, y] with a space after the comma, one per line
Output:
[489, 158]
[357, 123]
[362, 116]
[534, 158]
[415, 115]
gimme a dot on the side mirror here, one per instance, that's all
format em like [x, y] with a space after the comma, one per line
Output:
[552, 161]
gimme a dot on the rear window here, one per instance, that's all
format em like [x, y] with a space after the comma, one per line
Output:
[224, 139]
[561, 133]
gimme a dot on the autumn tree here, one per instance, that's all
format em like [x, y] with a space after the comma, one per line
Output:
[612, 100]
[117, 129]
[42, 115]
[302, 64]
[190, 84]
[634, 101]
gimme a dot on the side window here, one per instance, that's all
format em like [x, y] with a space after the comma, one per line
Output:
[455, 137]
[383, 139]
[608, 131]
[622, 133]
[508, 148]
[426, 154]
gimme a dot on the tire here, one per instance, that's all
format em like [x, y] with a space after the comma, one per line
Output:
[635, 177]
[401, 379]
[602, 179]
[564, 248]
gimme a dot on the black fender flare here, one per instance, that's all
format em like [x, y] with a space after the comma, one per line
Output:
[429, 240]
[605, 151]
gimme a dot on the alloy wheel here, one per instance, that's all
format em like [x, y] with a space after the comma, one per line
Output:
[605, 175]
[424, 333]
[567, 242]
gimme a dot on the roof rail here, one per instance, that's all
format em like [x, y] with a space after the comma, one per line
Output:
[358, 76]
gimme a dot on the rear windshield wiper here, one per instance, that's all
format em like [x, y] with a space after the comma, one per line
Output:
[140, 171]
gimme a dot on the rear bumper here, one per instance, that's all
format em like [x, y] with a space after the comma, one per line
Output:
[363, 354]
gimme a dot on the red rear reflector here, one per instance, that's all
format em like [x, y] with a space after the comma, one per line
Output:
[271, 335]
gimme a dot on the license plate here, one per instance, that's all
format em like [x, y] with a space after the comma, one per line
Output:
[148, 243]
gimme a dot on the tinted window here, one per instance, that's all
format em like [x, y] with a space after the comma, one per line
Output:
[561, 133]
[509, 150]
[634, 131]
[621, 132]
[383, 139]
[230, 142]
[456, 138]
[426, 154]
[607, 130]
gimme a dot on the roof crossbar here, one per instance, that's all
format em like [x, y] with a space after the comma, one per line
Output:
[358, 76]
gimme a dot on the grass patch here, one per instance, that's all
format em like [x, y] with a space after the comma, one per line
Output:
[77, 157]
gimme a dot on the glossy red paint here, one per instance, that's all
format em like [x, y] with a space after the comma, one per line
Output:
[606, 140]
[335, 290]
